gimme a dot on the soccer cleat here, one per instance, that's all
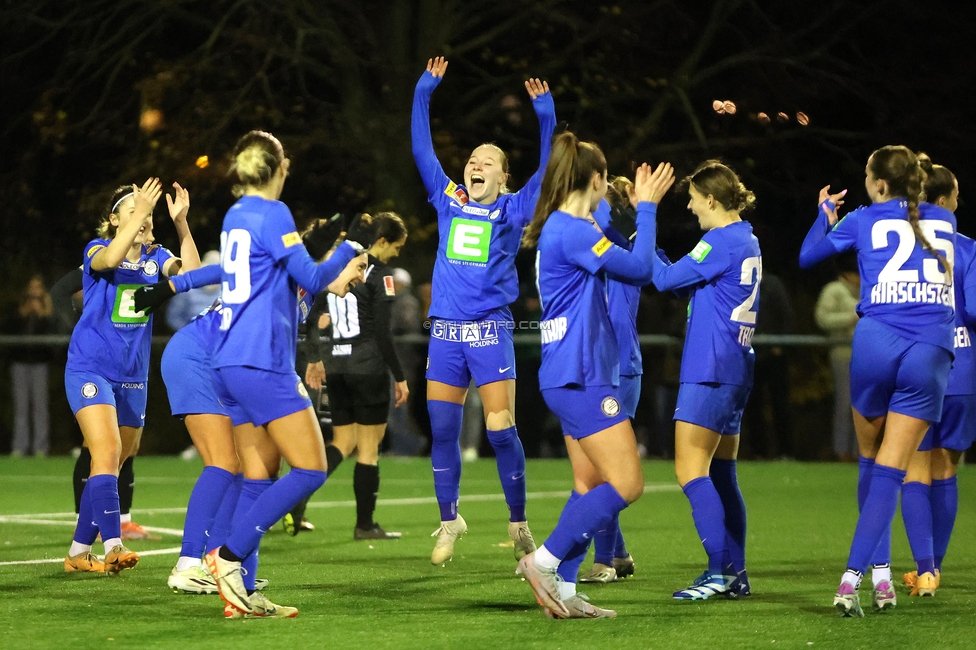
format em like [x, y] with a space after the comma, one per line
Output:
[230, 583]
[132, 530]
[305, 526]
[579, 606]
[260, 584]
[519, 533]
[705, 587]
[925, 585]
[264, 608]
[599, 573]
[447, 534]
[191, 581]
[739, 587]
[83, 562]
[847, 602]
[119, 559]
[910, 579]
[624, 566]
[374, 532]
[288, 523]
[545, 585]
[884, 596]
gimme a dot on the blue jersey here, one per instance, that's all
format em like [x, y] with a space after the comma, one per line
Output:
[474, 271]
[962, 377]
[111, 338]
[623, 299]
[263, 261]
[723, 273]
[579, 347]
[902, 285]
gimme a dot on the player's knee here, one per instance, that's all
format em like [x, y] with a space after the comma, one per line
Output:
[499, 420]
[631, 488]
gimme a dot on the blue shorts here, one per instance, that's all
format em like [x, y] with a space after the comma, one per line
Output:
[191, 381]
[630, 388]
[892, 373]
[85, 388]
[585, 410]
[957, 430]
[259, 396]
[462, 350]
[717, 407]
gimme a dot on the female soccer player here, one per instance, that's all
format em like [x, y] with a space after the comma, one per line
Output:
[580, 370]
[902, 347]
[722, 275]
[108, 359]
[263, 262]
[480, 225]
[358, 367]
[929, 496]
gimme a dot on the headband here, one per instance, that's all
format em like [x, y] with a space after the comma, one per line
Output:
[114, 207]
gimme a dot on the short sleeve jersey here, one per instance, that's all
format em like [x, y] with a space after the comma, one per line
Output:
[962, 377]
[259, 323]
[578, 343]
[902, 285]
[111, 338]
[354, 349]
[723, 309]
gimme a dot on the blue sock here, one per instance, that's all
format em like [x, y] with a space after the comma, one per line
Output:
[944, 498]
[276, 501]
[86, 530]
[726, 482]
[249, 569]
[876, 515]
[250, 491]
[916, 510]
[205, 500]
[620, 550]
[709, 516]
[510, 458]
[104, 494]
[583, 517]
[605, 542]
[569, 567]
[445, 454]
[865, 467]
[224, 519]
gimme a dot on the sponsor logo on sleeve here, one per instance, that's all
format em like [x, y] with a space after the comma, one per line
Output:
[701, 251]
[388, 285]
[457, 193]
[94, 249]
[601, 247]
[89, 390]
[291, 239]
[610, 407]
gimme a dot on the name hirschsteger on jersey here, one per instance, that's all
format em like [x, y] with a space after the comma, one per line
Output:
[353, 323]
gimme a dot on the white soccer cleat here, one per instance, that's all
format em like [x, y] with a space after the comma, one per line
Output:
[545, 586]
[448, 533]
[264, 608]
[191, 581]
[519, 533]
[579, 606]
[230, 583]
[599, 573]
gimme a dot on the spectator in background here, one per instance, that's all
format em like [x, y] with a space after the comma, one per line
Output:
[836, 315]
[33, 316]
[771, 390]
[405, 319]
[185, 306]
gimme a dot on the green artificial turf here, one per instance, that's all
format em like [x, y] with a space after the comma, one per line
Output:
[388, 595]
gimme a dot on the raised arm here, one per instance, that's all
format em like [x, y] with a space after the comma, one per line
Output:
[145, 199]
[316, 277]
[431, 172]
[189, 258]
[816, 245]
[545, 110]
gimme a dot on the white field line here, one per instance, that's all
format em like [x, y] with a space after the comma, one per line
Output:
[158, 551]
[71, 522]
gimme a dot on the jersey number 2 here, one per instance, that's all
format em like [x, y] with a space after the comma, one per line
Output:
[751, 274]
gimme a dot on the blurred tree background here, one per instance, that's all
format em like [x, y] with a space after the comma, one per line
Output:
[106, 92]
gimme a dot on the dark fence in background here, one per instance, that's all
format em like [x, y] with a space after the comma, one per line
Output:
[791, 369]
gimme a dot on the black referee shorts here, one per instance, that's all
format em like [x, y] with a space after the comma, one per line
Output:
[358, 399]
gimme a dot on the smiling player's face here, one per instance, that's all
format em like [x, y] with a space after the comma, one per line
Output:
[701, 207]
[350, 276]
[122, 215]
[484, 174]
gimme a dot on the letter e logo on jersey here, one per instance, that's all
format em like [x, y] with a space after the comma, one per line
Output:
[388, 285]
[610, 407]
[469, 240]
[124, 310]
[89, 390]
[701, 251]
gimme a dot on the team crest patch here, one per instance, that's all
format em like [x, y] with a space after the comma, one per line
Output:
[428, 364]
[601, 247]
[610, 406]
[388, 285]
[701, 251]
[301, 389]
[456, 192]
[494, 214]
[89, 390]
[151, 268]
